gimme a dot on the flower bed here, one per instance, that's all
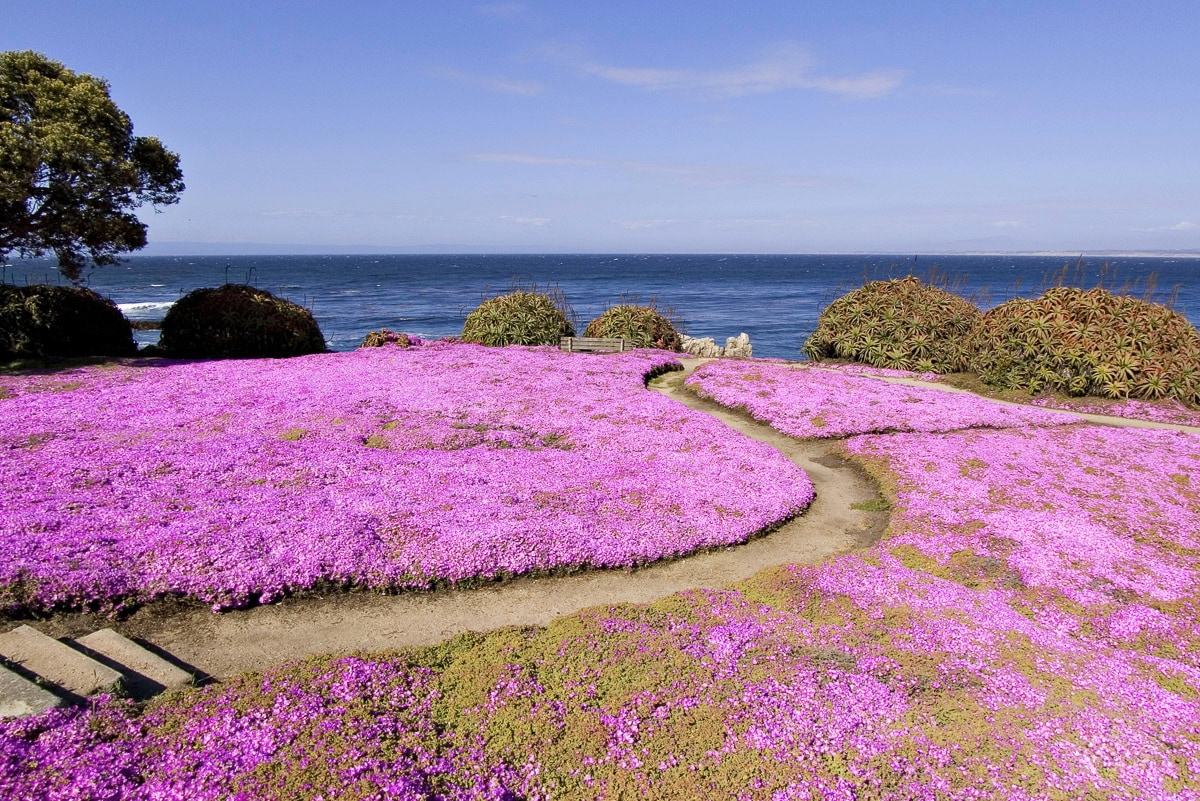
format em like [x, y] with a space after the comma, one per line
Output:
[809, 402]
[1028, 629]
[1163, 411]
[238, 481]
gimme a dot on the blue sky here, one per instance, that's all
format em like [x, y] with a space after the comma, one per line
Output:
[648, 126]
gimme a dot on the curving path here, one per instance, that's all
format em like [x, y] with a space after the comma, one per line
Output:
[222, 646]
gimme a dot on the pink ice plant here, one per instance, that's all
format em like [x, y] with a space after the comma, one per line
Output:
[814, 402]
[1162, 411]
[1029, 628]
[236, 481]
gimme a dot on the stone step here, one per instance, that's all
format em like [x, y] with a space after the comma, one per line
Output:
[146, 674]
[59, 664]
[20, 696]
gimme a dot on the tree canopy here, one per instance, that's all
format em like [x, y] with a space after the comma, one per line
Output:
[71, 171]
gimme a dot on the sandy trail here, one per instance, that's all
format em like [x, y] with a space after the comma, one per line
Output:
[1099, 419]
[224, 645]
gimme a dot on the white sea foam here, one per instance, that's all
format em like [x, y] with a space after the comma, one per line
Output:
[145, 308]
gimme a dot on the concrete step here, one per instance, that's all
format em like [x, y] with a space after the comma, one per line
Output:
[63, 666]
[146, 673]
[20, 696]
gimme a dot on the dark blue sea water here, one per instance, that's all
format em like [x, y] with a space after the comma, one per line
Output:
[775, 299]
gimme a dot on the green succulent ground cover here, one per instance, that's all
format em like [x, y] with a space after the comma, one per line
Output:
[524, 317]
[238, 321]
[643, 326]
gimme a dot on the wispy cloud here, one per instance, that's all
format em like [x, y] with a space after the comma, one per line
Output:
[700, 175]
[1006, 224]
[643, 225]
[526, 158]
[495, 83]
[785, 68]
[537, 222]
[309, 214]
[1183, 225]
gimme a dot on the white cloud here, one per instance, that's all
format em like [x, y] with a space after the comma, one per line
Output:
[706, 175]
[787, 67]
[496, 83]
[642, 225]
[1006, 224]
[526, 158]
[1183, 225]
[537, 222]
[309, 214]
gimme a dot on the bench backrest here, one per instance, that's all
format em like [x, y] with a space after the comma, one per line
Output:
[594, 344]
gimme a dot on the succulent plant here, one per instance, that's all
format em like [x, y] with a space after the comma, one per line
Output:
[42, 321]
[642, 326]
[1088, 342]
[238, 321]
[902, 323]
[377, 339]
[519, 318]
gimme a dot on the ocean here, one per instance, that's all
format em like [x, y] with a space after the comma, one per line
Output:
[775, 299]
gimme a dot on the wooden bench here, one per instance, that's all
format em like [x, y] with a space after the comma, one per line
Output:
[594, 344]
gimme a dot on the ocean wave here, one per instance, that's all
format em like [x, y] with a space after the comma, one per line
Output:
[145, 307]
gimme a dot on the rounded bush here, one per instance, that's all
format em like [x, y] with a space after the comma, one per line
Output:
[61, 321]
[519, 318]
[238, 321]
[384, 336]
[902, 324]
[643, 326]
[1088, 342]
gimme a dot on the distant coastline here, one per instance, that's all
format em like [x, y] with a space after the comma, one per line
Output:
[160, 249]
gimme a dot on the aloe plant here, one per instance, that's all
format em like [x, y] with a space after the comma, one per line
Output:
[902, 324]
[239, 321]
[643, 326]
[1088, 342]
[520, 318]
[41, 321]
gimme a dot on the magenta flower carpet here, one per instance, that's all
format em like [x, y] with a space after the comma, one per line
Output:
[814, 402]
[239, 481]
[1028, 628]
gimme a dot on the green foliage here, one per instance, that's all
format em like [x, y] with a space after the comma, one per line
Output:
[71, 171]
[644, 326]
[238, 321]
[520, 318]
[1088, 342]
[60, 321]
[902, 324]
[377, 339]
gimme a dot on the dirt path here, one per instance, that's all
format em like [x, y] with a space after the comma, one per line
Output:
[224, 645]
[1100, 419]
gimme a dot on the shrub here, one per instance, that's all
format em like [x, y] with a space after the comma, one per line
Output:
[643, 326]
[1088, 342]
[238, 321]
[58, 321]
[519, 318]
[377, 339]
[902, 324]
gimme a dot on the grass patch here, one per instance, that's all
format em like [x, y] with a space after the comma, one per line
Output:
[873, 505]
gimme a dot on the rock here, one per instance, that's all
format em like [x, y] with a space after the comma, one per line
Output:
[707, 347]
[704, 347]
[739, 347]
